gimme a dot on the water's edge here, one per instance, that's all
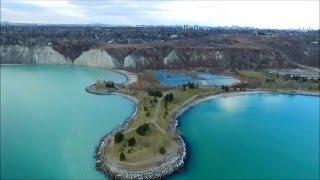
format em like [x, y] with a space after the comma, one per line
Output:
[178, 162]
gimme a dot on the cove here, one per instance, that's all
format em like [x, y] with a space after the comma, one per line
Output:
[50, 126]
[252, 136]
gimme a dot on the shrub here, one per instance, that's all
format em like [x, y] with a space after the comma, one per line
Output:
[118, 137]
[183, 87]
[122, 156]
[148, 114]
[169, 97]
[155, 93]
[145, 108]
[162, 150]
[225, 88]
[142, 129]
[190, 85]
[110, 84]
[131, 142]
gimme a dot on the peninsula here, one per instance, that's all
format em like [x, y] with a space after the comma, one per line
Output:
[147, 145]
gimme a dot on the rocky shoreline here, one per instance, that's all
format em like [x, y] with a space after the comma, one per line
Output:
[172, 164]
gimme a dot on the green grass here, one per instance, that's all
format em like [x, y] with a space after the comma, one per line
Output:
[257, 79]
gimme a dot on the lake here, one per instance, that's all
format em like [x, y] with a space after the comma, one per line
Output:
[252, 136]
[172, 79]
[50, 125]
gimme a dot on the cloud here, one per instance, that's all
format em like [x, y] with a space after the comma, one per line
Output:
[263, 14]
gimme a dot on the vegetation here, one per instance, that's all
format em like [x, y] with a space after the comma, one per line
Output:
[225, 88]
[122, 156]
[109, 84]
[151, 139]
[184, 87]
[131, 142]
[242, 47]
[118, 137]
[162, 150]
[142, 129]
[263, 79]
[156, 93]
[168, 97]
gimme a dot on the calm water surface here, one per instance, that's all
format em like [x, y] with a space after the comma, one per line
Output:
[172, 79]
[50, 126]
[252, 136]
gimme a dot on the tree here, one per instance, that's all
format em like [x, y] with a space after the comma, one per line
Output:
[190, 85]
[155, 93]
[109, 84]
[131, 142]
[142, 129]
[183, 87]
[225, 88]
[168, 97]
[122, 156]
[155, 100]
[145, 108]
[162, 150]
[118, 137]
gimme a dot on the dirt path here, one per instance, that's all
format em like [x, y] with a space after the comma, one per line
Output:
[155, 116]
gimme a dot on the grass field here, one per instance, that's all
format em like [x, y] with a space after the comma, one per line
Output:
[258, 79]
[146, 151]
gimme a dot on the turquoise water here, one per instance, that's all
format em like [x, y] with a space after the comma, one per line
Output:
[252, 136]
[50, 126]
[171, 79]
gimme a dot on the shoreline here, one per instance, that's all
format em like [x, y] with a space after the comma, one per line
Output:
[130, 76]
[176, 163]
[110, 170]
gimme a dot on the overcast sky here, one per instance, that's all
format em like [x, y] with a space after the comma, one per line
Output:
[261, 14]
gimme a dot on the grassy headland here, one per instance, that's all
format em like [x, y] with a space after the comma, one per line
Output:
[148, 140]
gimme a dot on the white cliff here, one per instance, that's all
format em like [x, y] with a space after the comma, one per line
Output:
[135, 61]
[17, 54]
[46, 55]
[130, 61]
[171, 58]
[96, 58]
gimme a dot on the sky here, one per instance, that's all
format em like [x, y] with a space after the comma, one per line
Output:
[259, 14]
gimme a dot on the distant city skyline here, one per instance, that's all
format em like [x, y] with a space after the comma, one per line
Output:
[257, 14]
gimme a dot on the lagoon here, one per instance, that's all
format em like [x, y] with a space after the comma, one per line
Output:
[172, 79]
[269, 136]
[50, 125]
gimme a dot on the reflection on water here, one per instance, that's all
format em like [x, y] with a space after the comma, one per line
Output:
[260, 136]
